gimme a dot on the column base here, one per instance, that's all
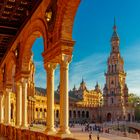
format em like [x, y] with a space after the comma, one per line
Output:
[24, 127]
[64, 133]
[7, 124]
[50, 131]
[18, 127]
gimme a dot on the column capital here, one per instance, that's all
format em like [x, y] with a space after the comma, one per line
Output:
[8, 89]
[20, 76]
[50, 66]
[65, 60]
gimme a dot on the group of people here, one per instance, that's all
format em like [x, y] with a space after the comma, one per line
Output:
[89, 128]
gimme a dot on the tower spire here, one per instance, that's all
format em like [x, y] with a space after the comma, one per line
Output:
[115, 34]
[114, 27]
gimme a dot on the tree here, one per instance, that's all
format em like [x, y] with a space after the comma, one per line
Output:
[135, 100]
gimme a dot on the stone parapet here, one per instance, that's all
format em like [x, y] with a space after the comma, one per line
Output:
[13, 133]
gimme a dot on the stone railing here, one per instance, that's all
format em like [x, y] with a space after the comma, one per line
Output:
[124, 134]
[133, 125]
[13, 133]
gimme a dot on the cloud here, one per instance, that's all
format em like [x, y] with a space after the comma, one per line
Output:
[91, 69]
[133, 81]
[131, 57]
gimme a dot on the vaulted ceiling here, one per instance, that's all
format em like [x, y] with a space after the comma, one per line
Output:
[13, 16]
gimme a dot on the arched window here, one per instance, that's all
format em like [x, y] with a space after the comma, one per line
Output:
[112, 82]
[74, 114]
[87, 114]
[83, 114]
[57, 113]
[79, 115]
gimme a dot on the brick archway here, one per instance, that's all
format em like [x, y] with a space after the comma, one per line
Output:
[36, 29]
[10, 69]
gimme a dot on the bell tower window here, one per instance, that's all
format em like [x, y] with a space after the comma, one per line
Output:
[112, 82]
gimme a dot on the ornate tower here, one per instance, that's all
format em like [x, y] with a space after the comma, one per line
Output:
[115, 89]
[82, 85]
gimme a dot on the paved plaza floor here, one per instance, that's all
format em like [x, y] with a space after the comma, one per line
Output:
[85, 136]
[79, 135]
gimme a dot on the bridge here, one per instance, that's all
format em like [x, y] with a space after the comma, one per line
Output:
[134, 125]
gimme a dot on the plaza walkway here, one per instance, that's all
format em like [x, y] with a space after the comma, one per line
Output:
[84, 136]
[78, 134]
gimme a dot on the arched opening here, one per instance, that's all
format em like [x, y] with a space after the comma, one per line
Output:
[87, 114]
[74, 114]
[45, 113]
[83, 114]
[39, 73]
[109, 117]
[12, 111]
[79, 114]
[57, 113]
[129, 117]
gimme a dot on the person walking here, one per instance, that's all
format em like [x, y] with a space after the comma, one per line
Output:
[98, 137]
[90, 136]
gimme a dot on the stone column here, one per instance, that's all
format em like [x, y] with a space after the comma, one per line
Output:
[64, 97]
[1, 109]
[18, 104]
[50, 67]
[29, 108]
[31, 111]
[7, 107]
[24, 104]
[34, 110]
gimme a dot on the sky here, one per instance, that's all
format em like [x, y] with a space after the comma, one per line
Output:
[92, 32]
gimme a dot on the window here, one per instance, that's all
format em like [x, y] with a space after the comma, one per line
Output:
[115, 67]
[112, 100]
[112, 82]
[57, 113]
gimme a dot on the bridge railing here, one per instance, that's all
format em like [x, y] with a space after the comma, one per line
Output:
[133, 125]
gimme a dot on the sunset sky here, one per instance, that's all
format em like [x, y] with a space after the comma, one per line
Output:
[92, 32]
